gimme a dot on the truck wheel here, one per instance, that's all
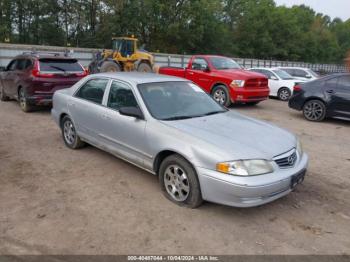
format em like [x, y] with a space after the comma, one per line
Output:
[23, 101]
[110, 66]
[284, 94]
[144, 68]
[221, 95]
[3, 96]
[179, 182]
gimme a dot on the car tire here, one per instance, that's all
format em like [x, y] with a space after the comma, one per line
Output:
[179, 182]
[3, 96]
[314, 110]
[69, 134]
[284, 94]
[109, 66]
[144, 68]
[23, 101]
[221, 95]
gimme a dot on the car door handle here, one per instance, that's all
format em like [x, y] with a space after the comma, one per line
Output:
[330, 91]
[71, 104]
[190, 73]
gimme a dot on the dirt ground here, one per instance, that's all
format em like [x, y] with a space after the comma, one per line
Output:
[54, 200]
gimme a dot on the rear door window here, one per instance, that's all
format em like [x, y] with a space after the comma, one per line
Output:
[199, 64]
[289, 71]
[344, 82]
[59, 65]
[23, 64]
[93, 90]
[300, 73]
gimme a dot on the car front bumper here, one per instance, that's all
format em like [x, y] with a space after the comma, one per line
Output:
[248, 191]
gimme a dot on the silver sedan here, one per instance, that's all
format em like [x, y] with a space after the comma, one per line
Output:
[171, 128]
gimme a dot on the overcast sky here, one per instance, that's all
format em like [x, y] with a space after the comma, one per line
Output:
[332, 8]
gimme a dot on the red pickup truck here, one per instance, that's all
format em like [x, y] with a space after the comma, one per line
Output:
[223, 78]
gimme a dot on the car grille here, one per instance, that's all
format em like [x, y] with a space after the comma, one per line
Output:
[288, 161]
[257, 83]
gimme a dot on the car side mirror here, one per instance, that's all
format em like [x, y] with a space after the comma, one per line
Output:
[308, 76]
[131, 111]
[273, 78]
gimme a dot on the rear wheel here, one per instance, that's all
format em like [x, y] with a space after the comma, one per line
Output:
[23, 101]
[284, 94]
[221, 95]
[179, 182]
[144, 67]
[314, 110]
[69, 134]
[3, 96]
[110, 66]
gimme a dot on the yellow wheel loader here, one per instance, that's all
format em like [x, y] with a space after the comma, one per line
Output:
[124, 56]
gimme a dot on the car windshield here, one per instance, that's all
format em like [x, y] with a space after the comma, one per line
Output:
[314, 74]
[222, 63]
[282, 74]
[178, 100]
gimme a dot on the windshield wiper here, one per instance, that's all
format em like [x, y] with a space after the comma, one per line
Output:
[177, 118]
[214, 112]
[58, 68]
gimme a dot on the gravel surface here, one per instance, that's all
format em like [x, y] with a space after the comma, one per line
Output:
[54, 200]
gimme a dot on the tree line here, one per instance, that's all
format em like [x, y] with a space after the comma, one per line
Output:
[240, 28]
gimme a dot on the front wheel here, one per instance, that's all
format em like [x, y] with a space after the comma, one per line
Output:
[69, 134]
[179, 182]
[221, 95]
[284, 94]
[314, 110]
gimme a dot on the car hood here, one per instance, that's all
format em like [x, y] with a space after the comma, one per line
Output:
[238, 74]
[238, 136]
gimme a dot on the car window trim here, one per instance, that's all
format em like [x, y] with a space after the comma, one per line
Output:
[94, 78]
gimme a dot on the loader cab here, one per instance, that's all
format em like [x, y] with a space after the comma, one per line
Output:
[124, 45]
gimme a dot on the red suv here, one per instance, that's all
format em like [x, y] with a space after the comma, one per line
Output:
[32, 78]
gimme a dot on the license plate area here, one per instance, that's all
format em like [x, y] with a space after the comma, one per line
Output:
[297, 179]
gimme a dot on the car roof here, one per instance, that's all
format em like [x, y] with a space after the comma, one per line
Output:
[294, 67]
[266, 68]
[43, 55]
[139, 78]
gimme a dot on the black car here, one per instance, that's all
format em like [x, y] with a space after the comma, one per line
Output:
[325, 97]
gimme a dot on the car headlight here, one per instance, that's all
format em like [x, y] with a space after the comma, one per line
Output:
[237, 83]
[299, 148]
[245, 167]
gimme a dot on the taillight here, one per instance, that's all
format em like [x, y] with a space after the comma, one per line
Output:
[82, 74]
[297, 88]
[36, 71]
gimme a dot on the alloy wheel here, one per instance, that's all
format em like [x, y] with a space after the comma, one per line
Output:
[220, 96]
[284, 94]
[69, 132]
[176, 183]
[313, 111]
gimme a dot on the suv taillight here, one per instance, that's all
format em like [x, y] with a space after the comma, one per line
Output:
[297, 88]
[36, 71]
